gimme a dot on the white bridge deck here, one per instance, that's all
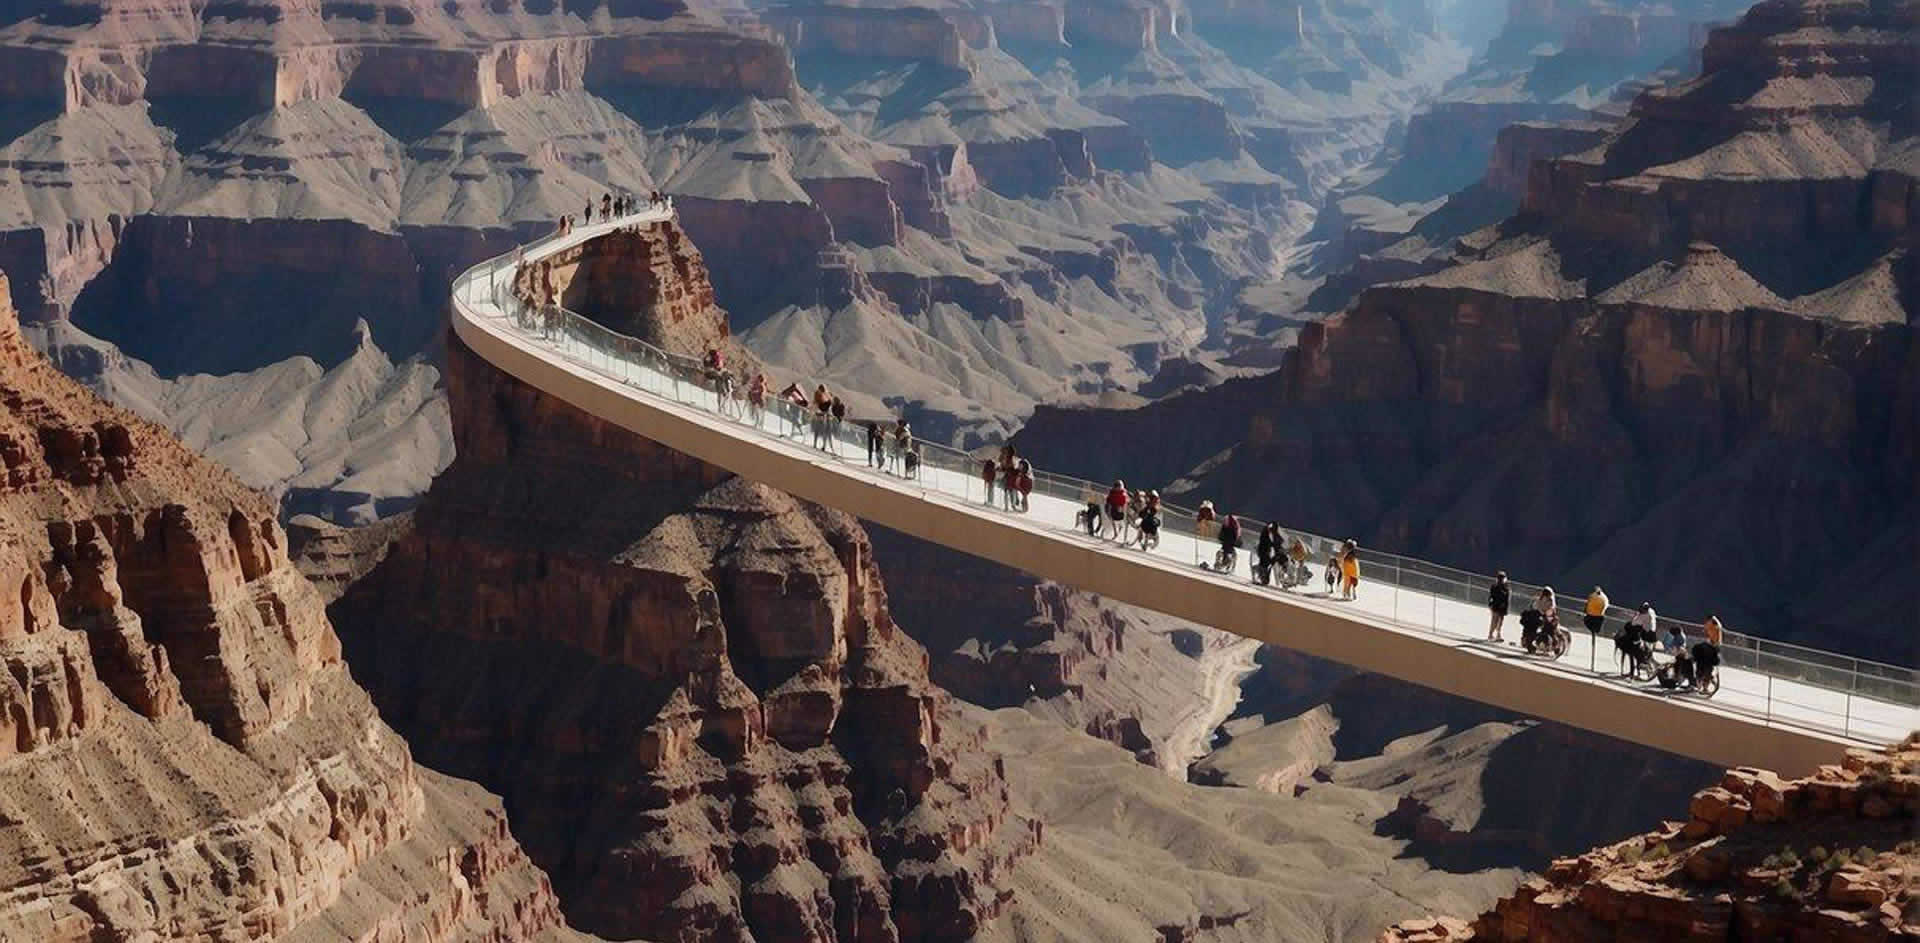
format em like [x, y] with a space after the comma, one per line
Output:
[1779, 706]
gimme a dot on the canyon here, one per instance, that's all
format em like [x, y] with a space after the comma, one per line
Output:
[1321, 261]
[183, 754]
[1600, 397]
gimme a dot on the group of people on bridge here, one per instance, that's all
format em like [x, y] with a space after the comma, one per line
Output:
[612, 206]
[1635, 644]
[890, 443]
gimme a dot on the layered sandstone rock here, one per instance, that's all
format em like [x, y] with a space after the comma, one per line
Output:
[1829, 857]
[713, 728]
[1695, 397]
[182, 752]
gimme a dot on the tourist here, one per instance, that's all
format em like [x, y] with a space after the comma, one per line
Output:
[1297, 554]
[1675, 641]
[1264, 552]
[1204, 524]
[1229, 544]
[1117, 504]
[1596, 611]
[1023, 483]
[757, 397]
[1008, 469]
[1350, 571]
[1647, 622]
[606, 206]
[1713, 630]
[1548, 604]
[1333, 572]
[905, 450]
[1499, 596]
[1091, 514]
[1630, 647]
[587, 217]
[822, 410]
[837, 417]
[987, 471]
[1150, 521]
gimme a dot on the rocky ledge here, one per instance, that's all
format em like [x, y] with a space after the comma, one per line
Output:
[1827, 858]
[182, 752]
[700, 711]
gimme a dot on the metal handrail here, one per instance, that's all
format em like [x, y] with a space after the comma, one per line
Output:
[608, 350]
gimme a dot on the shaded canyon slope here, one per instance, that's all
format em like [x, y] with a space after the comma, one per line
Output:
[698, 708]
[182, 752]
[1834, 856]
[1684, 369]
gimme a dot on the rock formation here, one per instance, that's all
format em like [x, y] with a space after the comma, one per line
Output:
[182, 752]
[1592, 392]
[1830, 857]
[944, 204]
[704, 721]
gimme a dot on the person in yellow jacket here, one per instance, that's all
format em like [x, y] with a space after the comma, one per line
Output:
[1596, 610]
[1350, 571]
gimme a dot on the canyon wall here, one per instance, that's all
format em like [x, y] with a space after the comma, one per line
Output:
[707, 724]
[182, 752]
[1590, 393]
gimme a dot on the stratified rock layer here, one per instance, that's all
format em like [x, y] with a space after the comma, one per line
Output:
[1827, 858]
[182, 752]
[700, 711]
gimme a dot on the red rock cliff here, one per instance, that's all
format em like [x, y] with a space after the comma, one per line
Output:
[182, 752]
[700, 711]
[1828, 858]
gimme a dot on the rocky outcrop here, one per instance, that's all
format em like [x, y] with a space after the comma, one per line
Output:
[158, 630]
[714, 728]
[1658, 382]
[646, 281]
[1828, 857]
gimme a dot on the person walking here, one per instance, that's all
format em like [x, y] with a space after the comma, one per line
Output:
[837, 414]
[904, 449]
[1091, 498]
[987, 471]
[606, 206]
[1596, 611]
[1117, 504]
[876, 445]
[1297, 552]
[757, 397]
[1264, 552]
[587, 217]
[1350, 571]
[822, 409]
[1499, 597]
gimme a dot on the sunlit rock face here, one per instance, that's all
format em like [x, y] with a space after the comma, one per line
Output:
[706, 722]
[1683, 327]
[182, 752]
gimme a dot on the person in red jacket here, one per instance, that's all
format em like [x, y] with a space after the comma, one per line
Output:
[1117, 504]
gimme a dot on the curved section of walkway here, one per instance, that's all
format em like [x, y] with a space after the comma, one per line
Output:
[1418, 622]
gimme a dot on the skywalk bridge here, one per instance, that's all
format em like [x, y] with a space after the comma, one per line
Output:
[1779, 706]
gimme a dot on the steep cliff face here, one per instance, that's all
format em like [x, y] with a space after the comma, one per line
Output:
[182, 752]
[1826, 858]
[1578, 397]
[708, 725]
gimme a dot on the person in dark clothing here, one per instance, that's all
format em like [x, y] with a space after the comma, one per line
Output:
[988, 470]
[1499, 597]
[587, 217]
[606, 206]
[876, 445]
[1264, 553]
